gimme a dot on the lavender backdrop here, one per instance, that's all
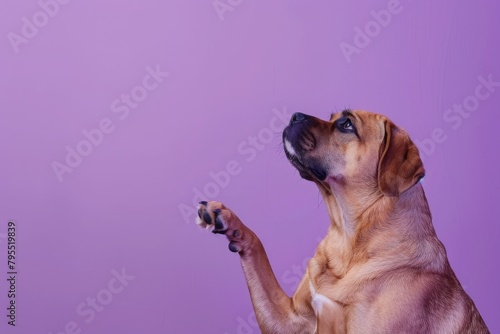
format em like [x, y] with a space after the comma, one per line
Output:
[117, 116]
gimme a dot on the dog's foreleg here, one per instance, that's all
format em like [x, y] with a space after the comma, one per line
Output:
[275, 311]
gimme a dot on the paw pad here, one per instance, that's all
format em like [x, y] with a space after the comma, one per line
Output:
[210, 213]
[219, 220]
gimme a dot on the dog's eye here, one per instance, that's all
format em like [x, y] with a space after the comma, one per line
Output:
[345, 125]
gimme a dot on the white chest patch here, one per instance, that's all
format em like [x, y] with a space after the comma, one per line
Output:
[318, 300]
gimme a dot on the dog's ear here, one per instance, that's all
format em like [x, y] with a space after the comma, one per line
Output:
[399, 166]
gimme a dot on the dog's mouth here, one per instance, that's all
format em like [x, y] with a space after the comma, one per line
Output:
[300, 144]
[307, 169]
[295, 160]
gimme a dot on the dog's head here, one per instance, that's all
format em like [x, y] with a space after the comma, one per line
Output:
[353, 148]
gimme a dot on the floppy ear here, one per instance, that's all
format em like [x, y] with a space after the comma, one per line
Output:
[399, 166]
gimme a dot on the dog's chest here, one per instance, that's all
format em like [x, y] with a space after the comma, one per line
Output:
[322, 286]
[319, 300]
[329, 313]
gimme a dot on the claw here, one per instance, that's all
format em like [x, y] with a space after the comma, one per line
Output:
[218, 223]
[207, 218]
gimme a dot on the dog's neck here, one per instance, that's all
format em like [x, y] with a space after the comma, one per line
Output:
[348, 206]
[355, 218]
[351, 213]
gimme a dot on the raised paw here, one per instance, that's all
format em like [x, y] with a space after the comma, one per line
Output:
[218, 219]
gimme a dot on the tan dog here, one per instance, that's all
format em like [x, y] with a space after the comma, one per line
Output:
[381, 267]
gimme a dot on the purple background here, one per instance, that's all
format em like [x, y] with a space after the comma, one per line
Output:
[121, 207]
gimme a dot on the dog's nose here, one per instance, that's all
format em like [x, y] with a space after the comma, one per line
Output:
[297, 117]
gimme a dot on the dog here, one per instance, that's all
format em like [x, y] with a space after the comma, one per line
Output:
[381, 267]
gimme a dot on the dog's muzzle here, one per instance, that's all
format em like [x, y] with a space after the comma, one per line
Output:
[298, 142]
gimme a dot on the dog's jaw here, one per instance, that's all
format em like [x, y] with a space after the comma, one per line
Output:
[294, 159]
[307, 169]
